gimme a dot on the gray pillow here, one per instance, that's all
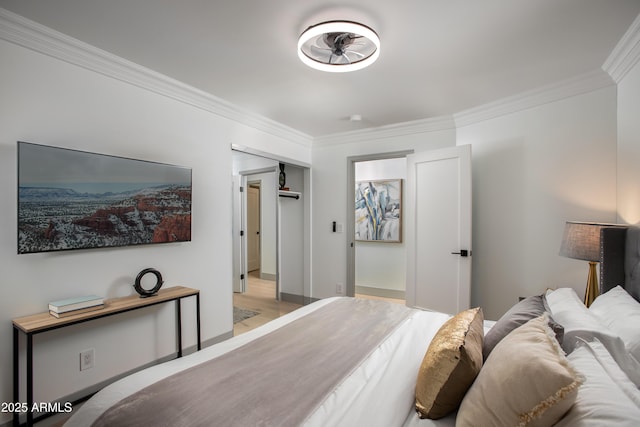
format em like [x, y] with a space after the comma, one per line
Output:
[525, 310]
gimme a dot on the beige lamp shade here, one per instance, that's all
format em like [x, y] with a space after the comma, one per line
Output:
[581, 240]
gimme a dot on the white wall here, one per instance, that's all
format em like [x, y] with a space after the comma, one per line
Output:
[291, 229]
[532, 171]
[381, 265]
[246, 163]
[48, 101]
[629, 147]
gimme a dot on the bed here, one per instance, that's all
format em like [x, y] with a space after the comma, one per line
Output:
[549, 360]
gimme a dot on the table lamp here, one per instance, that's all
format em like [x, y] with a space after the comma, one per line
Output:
[581, 240]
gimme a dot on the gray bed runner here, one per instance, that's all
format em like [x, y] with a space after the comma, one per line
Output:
[278, 379]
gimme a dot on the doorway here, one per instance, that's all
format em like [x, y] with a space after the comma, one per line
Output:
[253, 226]
[437, 227]
[257, 234]
[271, 229]
[380, 265]
[359, 280]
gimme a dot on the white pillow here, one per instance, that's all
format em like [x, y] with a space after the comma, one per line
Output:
[607, 397]
[579, 323]
[621, 313]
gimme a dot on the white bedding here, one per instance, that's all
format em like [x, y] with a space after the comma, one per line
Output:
[379, 392]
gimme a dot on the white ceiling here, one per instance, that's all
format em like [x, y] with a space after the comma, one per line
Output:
[438, 57]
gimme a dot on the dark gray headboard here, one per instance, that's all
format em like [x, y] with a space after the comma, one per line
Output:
[620, 259]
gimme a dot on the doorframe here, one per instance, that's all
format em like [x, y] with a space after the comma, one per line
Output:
[239, 279]
[244, 263]
[350, 288]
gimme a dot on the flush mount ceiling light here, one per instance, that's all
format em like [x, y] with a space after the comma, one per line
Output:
[338, 46]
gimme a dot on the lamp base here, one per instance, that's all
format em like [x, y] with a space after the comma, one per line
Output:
[592, 290]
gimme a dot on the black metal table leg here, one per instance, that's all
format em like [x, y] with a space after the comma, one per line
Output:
[29, 379]
[16, 375]
[179, 332]
[198, 320]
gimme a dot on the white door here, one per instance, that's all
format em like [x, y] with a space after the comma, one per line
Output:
[253, 228]
[438, 229]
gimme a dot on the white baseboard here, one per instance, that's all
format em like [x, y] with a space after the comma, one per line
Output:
[380, 292]
[267, 276]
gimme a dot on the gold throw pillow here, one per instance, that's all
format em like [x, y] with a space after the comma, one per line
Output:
[450, 365]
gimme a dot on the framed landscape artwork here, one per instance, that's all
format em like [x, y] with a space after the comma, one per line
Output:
[70, 199]
[379, 211]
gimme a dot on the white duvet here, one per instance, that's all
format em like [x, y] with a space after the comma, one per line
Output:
[379, 392]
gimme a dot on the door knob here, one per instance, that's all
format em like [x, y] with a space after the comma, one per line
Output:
[463, 252]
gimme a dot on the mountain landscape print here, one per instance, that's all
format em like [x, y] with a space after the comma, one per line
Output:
[70, 199]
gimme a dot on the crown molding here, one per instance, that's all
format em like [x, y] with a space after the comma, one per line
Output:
[389, 131]
[31, 35]
[584, 83]
[626, 53]
[577, 85]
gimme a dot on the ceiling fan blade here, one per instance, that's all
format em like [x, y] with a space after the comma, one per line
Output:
[320, 55]
[319, 50]
[321, 42]
[355, 52]
[340, 59]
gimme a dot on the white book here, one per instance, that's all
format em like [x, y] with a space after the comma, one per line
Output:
[76, 303]
[74, 312]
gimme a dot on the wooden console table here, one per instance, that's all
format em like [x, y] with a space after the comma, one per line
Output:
[44, 322]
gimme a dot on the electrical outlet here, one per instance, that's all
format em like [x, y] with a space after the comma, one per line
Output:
[339, 288]
[87, 359]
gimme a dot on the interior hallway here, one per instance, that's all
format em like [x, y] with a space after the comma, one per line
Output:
[261, 298]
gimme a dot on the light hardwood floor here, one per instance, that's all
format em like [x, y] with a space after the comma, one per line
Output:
[260, 297]
[394, 300]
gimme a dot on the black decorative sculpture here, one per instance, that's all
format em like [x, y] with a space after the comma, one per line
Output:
[144, 293]
[282, 179]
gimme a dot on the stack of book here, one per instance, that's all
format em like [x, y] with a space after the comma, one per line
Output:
[71, 306]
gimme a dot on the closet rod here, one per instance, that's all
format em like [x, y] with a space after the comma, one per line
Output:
[291, 196]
